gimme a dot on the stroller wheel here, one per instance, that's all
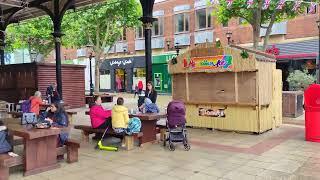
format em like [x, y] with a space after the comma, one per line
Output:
[171, 147]
[187, 147]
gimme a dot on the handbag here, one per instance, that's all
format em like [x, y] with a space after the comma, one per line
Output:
[28, 118]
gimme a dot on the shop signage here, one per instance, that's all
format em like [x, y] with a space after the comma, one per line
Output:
[119, 62]
[212, 112]
[209, 62]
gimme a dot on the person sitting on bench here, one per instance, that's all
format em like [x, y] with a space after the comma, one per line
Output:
[120, 118]
[57, 116]
[36, 101]
[5, 146]
[100, 118]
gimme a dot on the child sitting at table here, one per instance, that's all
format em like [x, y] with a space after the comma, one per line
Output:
[149, 107]
[120, 118]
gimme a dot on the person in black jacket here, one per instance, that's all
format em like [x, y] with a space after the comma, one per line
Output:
[151, 93]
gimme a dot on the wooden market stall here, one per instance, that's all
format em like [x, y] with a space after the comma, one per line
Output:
[20, 81]
[230, 88]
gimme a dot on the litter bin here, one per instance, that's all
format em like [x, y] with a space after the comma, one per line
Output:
[312, 113]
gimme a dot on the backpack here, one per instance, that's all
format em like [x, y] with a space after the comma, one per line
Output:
[28, 118]
[26, 106]
[134, 126]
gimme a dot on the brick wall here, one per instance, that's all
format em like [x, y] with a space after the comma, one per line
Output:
[300, 27]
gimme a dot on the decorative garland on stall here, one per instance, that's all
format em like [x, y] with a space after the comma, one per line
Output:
[281, 4]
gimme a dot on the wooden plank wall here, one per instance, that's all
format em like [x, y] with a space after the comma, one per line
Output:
[17, 82]
[237, 118]
[73, 82]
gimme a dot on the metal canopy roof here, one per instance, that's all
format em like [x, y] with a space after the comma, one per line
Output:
[18, 10]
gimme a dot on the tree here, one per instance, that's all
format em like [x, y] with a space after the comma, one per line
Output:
[34, 35]
[101, 25]
[256, 16]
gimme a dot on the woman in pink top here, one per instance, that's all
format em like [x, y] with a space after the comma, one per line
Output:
[100, 118]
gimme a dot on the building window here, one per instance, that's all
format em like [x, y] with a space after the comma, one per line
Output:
[157, 28]
[203, 19]
[123, 36]
[139, 74]
[139, 32]
[182, 22]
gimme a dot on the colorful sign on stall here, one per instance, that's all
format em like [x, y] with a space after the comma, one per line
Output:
[209, 62]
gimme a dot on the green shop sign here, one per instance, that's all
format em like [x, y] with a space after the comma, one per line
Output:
[162, 59]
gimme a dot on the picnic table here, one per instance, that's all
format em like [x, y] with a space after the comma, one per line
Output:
[104, 97]
[19, 115]
[39, 147]
[149, 125]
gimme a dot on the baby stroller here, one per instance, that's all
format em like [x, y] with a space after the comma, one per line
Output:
[176, 122]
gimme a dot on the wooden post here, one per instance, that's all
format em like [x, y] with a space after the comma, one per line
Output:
[129, 140]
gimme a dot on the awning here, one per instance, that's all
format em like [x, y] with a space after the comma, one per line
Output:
[307, 49]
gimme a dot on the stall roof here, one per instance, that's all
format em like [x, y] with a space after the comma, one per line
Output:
[297, 50]
[18, 10]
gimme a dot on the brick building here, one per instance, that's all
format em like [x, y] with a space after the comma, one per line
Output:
[189, 22]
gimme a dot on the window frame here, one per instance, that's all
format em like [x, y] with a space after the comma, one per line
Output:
[123, 36]
[161, 28]
[184, 13]
[137, 32]
[208, 14]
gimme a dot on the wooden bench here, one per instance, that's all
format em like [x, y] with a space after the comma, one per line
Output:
[71, 149]
[6, 162]
[129, 139]
[70, 115]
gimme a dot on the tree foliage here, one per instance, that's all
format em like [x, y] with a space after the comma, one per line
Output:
[256, 16]
[33, 34]
[300, 80]
[99, 25]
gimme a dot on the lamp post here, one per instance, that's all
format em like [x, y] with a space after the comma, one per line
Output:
[90, 48]
[33, 55]
[229, 34]
[318, 57]
[147, 20]
[177, 47]
[125, 49]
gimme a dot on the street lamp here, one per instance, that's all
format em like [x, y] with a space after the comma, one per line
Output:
[229, 34]
[125, 49]
[33, 55]
[318, 57]
[90, 48]
[176, 47]
[174, 59]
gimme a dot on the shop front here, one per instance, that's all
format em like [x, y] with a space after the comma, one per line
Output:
[292, 56]
[161, 77]
[122, 74]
